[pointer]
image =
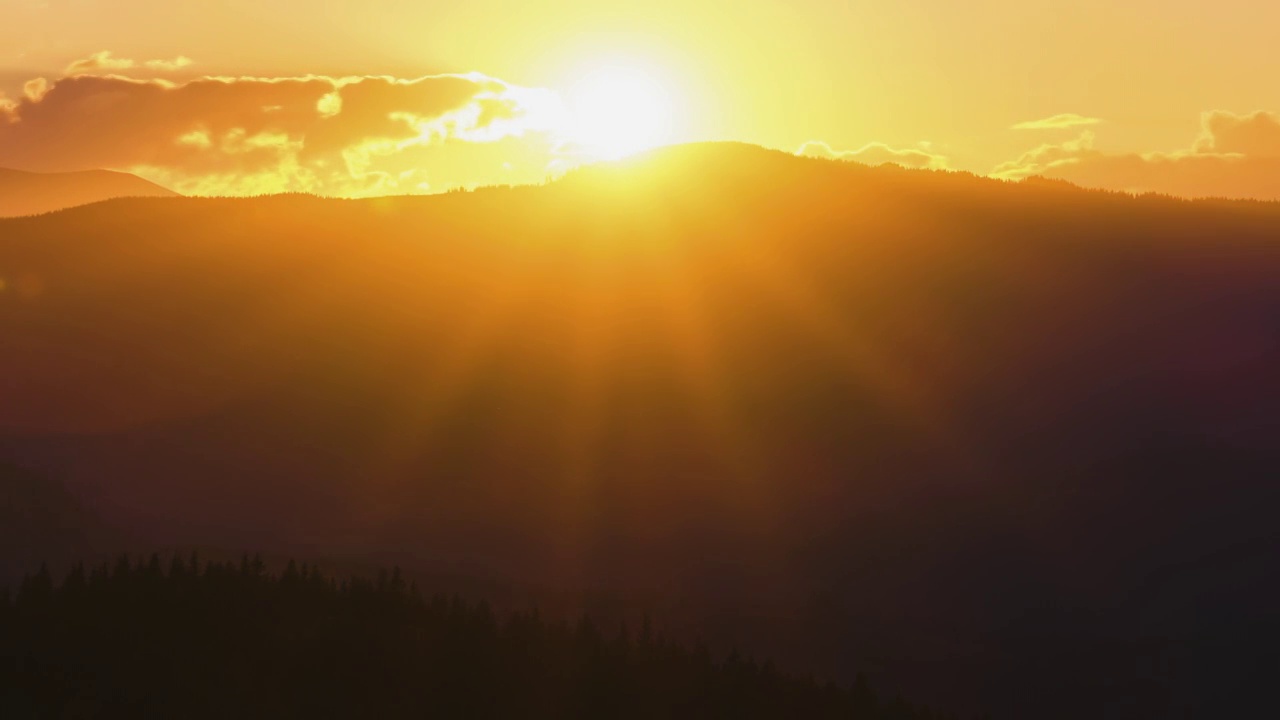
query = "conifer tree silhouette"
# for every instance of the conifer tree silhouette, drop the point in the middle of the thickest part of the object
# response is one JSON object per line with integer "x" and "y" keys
{"x": 217, "y": 640}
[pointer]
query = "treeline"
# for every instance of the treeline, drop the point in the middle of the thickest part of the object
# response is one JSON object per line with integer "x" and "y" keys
{"x": 189, "y": 639}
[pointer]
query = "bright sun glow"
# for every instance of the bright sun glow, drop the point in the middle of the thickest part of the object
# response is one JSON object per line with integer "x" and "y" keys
{"x": 617, "y": 110}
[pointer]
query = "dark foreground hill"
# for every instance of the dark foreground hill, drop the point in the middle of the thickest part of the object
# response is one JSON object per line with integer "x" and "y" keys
{"x": 206, "y": 640}
{"x": 28, "y": 193}
{"x": 1008, "y": 447}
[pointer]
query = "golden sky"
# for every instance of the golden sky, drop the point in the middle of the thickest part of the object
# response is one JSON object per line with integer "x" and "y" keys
{"x": 356, "y": 97}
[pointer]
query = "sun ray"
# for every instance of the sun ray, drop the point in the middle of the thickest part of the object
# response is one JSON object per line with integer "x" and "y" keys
{"x": 904, "y": 392}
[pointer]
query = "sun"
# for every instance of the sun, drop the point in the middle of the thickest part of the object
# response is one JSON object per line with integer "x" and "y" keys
{"x": 617, "y": 110}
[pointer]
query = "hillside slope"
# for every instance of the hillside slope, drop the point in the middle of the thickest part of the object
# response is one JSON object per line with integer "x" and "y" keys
{"x": 40, "y": 522}
{"x": 28, "y": 193}
{"x": 789, "y": 402}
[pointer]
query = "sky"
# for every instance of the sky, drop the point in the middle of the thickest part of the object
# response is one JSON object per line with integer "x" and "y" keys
{"x": 358, "y": 97}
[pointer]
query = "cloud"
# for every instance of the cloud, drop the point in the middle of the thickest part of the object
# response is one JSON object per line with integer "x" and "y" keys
{"x": 1253, "y": 135}
{"x": 106, "y": 62}
{"x": 1057, "y": 122}
{"x": 876, "y": 154}
{"x": 177, "y": 63}
{"x": 35, "y": 88}
{"x": 1235, "y": 156}
{"x": 98, "y": 62}
{"x": 1047, "y": 157}
{"x": 235, "y": 135}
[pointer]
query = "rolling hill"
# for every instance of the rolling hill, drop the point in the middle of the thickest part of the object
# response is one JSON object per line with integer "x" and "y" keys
{"x": 29, "y": 193}
{"x": 785, "y": 402}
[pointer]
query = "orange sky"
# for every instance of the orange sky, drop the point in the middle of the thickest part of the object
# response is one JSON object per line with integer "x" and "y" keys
{"x": 1160, "y": 95}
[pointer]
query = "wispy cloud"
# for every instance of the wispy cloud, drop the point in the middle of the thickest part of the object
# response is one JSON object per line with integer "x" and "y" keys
{"x": 106, "y": 61}
{"x": 876, "y": 154}
{"x": 98, "y": 62}
{"x": 1057, "y": 122}
{"x": 1234, "y": 156}
{"x": 177, "y": 63}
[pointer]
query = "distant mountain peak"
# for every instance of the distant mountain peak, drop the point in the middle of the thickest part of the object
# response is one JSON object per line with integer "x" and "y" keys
{"x": 33, "y": 193}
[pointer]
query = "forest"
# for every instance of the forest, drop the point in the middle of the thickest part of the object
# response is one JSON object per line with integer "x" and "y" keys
{"x": 193, "y": 639}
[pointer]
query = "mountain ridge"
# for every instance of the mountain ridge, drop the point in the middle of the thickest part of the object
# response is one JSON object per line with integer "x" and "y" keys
{"x": 678, "y": 166}
{"x": 839, "y": 391}
{"x": 25, "y": 193}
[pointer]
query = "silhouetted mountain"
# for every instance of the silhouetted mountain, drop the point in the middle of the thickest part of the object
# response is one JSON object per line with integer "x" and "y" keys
{"x": 28, "y": 193}
{"x": 1004, "y": 446}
